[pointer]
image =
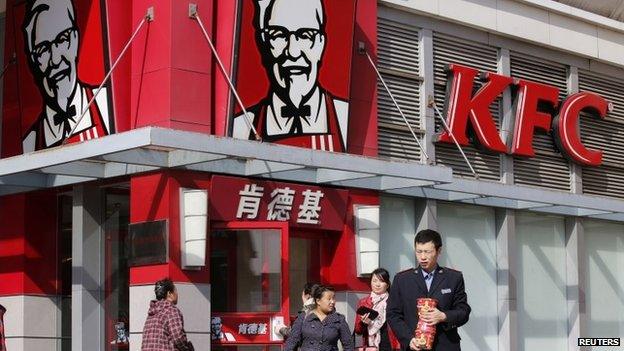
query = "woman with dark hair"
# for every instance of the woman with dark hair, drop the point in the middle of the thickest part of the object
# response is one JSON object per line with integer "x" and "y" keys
{"x": 375, "y": 330}
{"x": 164, "y": 326}
{"x": 308, "y": 305}
{"x": 321, "y": 329}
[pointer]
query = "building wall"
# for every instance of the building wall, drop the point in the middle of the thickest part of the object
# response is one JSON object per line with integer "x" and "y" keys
{"x": 542, "y": 22}
{"x": 426, "y": 44}
{"x": 534, "y": 281}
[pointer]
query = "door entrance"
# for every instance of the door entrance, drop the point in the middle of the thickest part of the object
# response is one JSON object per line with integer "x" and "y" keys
{"x": 249, "y": 284}
{"x": 117, "y": 278}
{"x": 304, "y": 267}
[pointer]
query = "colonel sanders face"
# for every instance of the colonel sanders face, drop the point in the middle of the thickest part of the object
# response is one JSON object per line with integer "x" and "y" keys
{"x": 215, "y": 328}
{"x": 292, "y": 41}
{"x": 51, "y": 39}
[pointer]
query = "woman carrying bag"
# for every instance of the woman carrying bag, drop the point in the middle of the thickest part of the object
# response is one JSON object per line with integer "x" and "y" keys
{"x": 321, "y": 329}
{"x": 370, "y": 319}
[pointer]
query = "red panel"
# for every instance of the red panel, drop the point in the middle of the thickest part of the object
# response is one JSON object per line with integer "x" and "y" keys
{"x": 190, "y": 98}
{"x": 151, "y": 103}
{"x": 41, "y": 252}
{"x": 338, "y": 257}
{"x": 149, "y": 200}
{"x": 120, "y": 28}
{"x": 11, "y": 128}
{"x": 151, "y": 65}
{"x": 28, "y": 247}
{"x": 160, "y": 192}
{"x": 12, "y": 244}
{"x": 225, "y": 18}
{"x": 91, "y": 68}
{"x": 189, "y": 49}
{"x": 151, "y": 49}
{"x": 362, "y": 137}
{"x": 193, "y": 127}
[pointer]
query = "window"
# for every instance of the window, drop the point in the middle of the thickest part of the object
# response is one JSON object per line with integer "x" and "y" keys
{"x": 542, "y": 304}
{"x": 469, "y": 245}
{"x": 246, "y": 266}
{"x": 397, "y": 226}
{"x": 604, "y": 292}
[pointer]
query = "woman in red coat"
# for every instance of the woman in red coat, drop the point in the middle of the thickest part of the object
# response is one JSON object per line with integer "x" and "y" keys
{"x": 375, "y": 331}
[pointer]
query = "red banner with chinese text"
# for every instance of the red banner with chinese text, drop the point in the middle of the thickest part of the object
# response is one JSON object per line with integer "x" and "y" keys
{"x": 240, "y": 329}
{"x": 304, "y": 206}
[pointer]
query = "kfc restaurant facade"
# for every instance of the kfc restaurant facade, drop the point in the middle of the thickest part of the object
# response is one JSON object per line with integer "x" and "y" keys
{"x": 128, "y": 157}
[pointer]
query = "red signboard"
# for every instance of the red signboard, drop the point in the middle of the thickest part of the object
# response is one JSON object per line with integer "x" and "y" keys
{"x": 307, "y": 206}
{"x": 294, "y": 71}
{"x": 236, "y": 329}
{"x": 464, "y": 107}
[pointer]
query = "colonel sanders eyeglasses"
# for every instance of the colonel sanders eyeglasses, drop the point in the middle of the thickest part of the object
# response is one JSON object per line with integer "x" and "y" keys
{"x": 42, "y": 52}
{"x": 279, "y": 36}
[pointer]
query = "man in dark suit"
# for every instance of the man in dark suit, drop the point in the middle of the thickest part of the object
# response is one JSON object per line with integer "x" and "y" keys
{"x": 428, "y": 280}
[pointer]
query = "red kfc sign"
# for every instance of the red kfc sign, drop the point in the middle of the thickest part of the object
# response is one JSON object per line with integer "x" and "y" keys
{"x": 463, "y": 107}
{"x": 240, "y": 199}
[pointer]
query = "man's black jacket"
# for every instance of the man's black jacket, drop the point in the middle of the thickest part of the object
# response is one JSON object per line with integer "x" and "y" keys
{"x": 447, "y": 287}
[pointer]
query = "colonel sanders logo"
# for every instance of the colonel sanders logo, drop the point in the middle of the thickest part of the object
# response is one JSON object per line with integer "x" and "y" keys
{"x": 52, "y": 42}
{"x": 292, "y": 39}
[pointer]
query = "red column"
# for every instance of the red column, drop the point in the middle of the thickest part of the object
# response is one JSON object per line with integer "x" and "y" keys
{"x": 156, "y": 197}
{"x": 171, "y": 74}
{"x": 29, "y": 281}
{"x": 28, "y": 243}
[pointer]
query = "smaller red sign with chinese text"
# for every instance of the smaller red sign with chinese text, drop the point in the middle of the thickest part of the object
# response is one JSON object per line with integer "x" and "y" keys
{"x": 308, "y": 206}
{"x": 240, "y": 329}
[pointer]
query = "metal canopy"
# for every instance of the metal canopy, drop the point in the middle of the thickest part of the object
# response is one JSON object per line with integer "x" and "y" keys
{"x": 521, "y": 198}
{"x": 151, "y": 148}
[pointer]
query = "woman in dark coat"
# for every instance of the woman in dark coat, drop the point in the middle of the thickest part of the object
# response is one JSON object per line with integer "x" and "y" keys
{"x": 321, "y": 329}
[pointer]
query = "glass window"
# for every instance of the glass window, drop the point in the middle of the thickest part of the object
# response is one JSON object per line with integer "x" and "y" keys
{"x": 304, "y": 266}
{"x": 542, "y": 304}
{"x": 65, "y": 270}
{"x": 604, "y": 293}
{"x": 246, "y": 266}
{"x": 397, "y": 229}
{"x": 117, "y": 273}
{"x": 469, "y": 245}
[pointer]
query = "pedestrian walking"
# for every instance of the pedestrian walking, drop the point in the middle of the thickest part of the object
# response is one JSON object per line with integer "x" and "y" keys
{"x": 164, "y": 327}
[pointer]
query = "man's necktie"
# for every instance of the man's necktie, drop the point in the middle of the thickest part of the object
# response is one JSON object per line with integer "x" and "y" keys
{"x": 428, "y": 279}
{"x": 65, "y": 118}
{"x": 296, "y": 114}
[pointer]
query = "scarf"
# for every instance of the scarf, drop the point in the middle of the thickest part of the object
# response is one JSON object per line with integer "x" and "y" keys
{"x": 379, "y": 305}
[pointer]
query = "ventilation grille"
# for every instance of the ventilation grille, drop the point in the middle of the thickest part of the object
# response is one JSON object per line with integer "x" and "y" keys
{"x": 548, "y": 168}
{"x": 398, "y": 63}
{"x": 448, "y": 49}
{"x": 606, "y": 135}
